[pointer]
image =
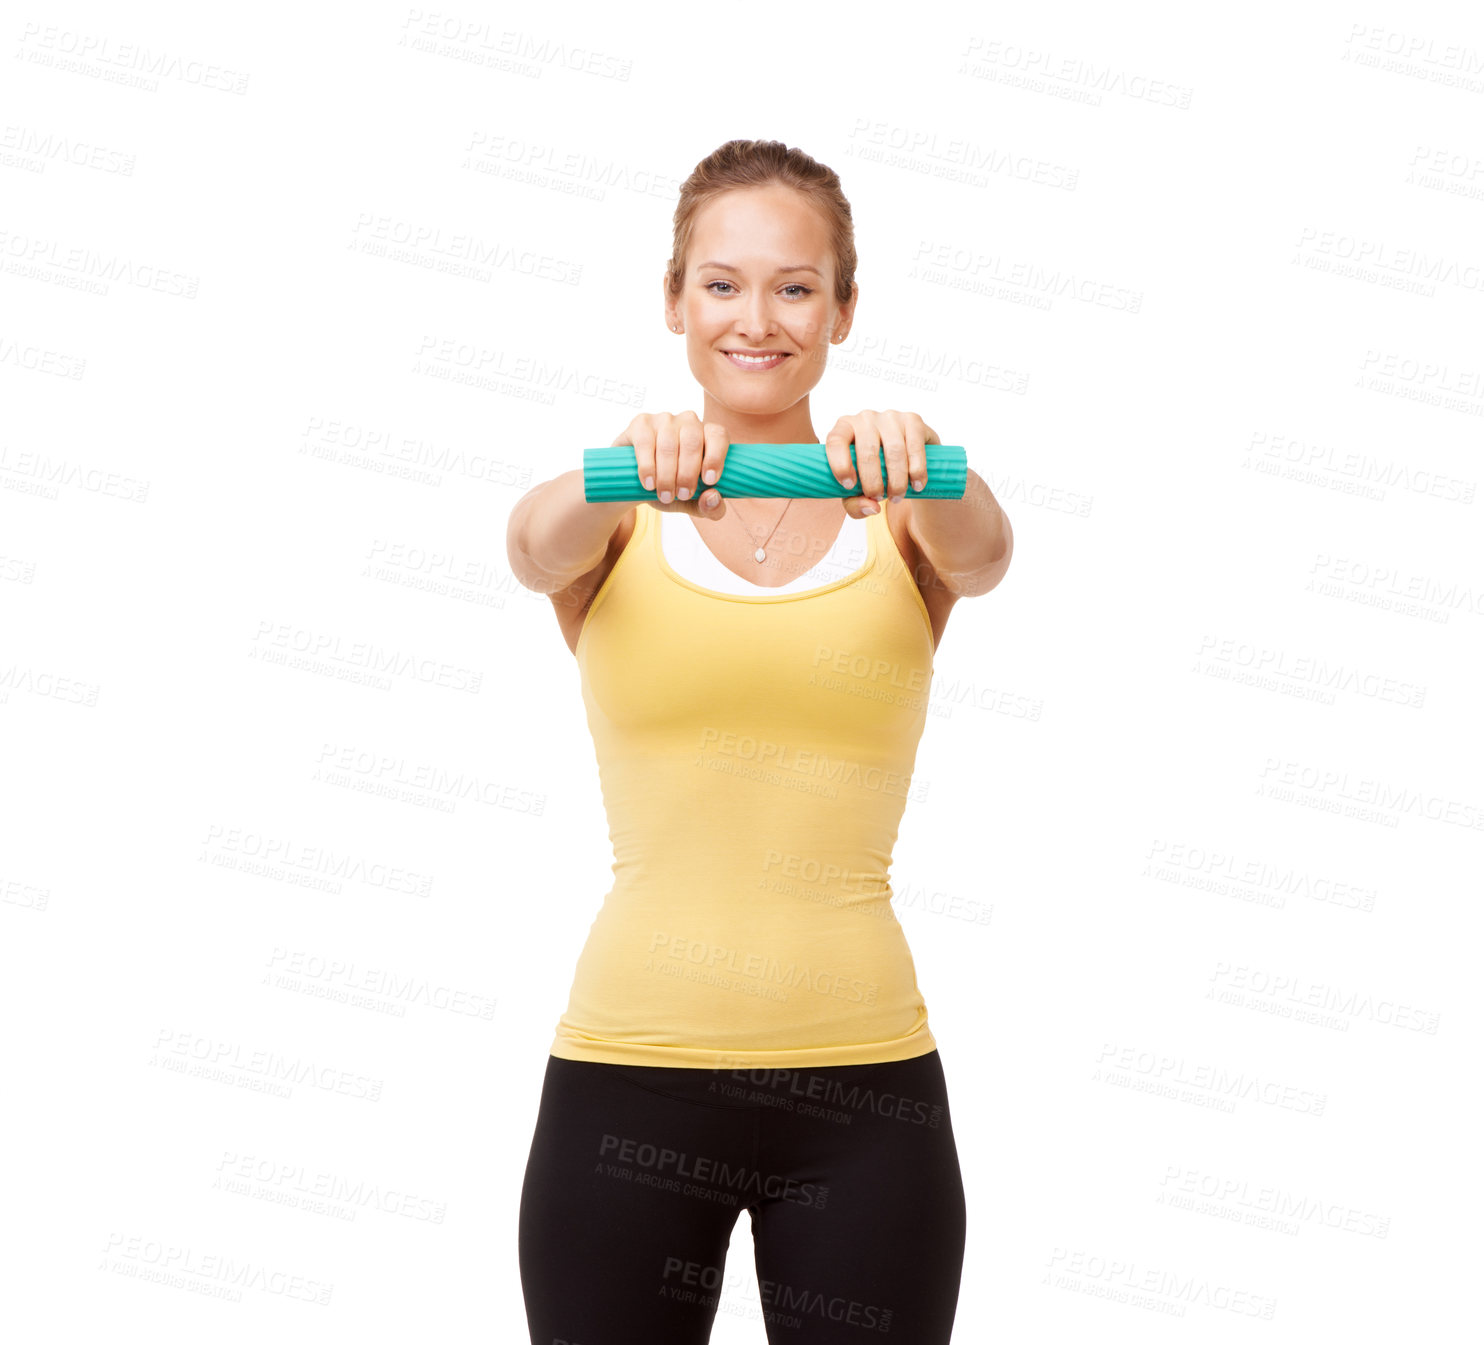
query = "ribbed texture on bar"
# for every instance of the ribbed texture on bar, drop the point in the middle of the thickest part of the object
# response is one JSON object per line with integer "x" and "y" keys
{"x": 778, "y": 471}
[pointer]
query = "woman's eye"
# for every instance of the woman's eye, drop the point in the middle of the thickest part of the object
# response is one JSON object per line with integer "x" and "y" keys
{"x": 802, "y": 290}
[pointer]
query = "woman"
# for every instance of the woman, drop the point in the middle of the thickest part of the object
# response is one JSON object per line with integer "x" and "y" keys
{"x": 745, "y": 1028}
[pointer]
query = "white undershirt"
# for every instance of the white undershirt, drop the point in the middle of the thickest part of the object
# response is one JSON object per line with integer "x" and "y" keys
{"x": 689, "y": 556}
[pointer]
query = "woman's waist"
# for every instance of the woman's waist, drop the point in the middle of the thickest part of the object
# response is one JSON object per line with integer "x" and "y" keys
{"x": 731, "y": 858}
{"x": 645, "y": 964}
{"x": 752, "y": 933}
{"x": 780, "y": 776}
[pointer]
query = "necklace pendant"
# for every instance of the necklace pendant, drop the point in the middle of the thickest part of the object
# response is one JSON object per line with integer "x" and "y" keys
{"x": 760, "y": 554}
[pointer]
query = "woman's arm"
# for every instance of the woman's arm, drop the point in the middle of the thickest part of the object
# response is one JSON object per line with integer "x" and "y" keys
{"x": 555, "y": 536}
{"x": 967, "y": 541}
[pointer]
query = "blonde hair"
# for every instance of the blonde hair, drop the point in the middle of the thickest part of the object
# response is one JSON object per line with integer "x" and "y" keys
{"x": 760, "y": 163}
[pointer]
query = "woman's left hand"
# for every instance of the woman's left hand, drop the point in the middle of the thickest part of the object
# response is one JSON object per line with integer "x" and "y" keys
{"x": 901, "y": 433}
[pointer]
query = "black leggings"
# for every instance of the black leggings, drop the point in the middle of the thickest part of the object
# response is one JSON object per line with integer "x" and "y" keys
{"x": 637, "y": 1174}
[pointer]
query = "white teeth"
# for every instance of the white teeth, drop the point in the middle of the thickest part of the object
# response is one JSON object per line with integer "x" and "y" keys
{"x": 753, "y": 359}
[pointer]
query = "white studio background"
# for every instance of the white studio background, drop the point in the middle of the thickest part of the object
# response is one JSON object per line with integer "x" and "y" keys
{"x": 301, "y": 824}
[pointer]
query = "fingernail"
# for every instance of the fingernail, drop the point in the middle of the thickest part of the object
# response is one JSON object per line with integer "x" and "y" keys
{"x": 918, "y": 483}
{"x": 848, "y": 482}
{"x": 869, "y": 509}
{"x": 649, "y": 483}
{"x": 684, "y": 492}
{"x": 664, "y": 497}
{"x": 710, "y": 475}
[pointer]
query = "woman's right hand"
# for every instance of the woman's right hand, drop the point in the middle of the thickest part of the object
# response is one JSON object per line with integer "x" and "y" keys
{"x": 677, "y": 457}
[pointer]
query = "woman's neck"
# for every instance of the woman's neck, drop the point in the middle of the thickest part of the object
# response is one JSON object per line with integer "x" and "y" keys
{"x": 792, "y": 426}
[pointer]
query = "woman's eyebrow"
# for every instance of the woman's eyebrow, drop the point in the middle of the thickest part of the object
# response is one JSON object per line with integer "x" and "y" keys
{"x": 724, "y": 267}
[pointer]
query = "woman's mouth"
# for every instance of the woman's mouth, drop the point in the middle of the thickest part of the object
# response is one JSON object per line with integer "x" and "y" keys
{"x": 762, "y": 361}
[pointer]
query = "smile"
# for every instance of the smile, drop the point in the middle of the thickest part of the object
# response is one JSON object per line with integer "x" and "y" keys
{"x": 754, "y": 361}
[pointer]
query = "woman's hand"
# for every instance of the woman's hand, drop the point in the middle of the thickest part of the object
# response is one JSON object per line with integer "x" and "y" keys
{"x": 901, "y": 433}
{"x": 677, "y": 456}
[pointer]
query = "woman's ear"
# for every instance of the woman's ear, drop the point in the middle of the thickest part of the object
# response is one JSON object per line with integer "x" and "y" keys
{"x": 845, "y": 315}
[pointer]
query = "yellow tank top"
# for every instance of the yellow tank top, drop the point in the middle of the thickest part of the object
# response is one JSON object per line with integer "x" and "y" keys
{"x": 755, "y": 754}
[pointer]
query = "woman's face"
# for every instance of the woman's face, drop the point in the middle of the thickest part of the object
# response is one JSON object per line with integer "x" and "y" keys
{"x": 759, "y": 277}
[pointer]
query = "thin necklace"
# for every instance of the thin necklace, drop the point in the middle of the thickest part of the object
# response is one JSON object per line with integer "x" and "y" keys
{"x": 760, "y": 554}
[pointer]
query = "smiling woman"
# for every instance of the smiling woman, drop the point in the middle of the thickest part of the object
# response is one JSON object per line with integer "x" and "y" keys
{"x": 774, "y": 286}
{"x": 745, "y": 1029}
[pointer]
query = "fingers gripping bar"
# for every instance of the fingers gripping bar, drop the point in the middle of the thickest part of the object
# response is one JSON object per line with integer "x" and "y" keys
{"x": 777, "y": 471}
